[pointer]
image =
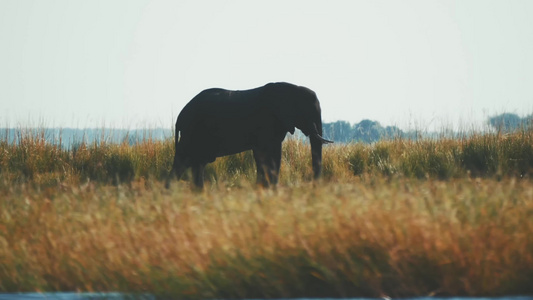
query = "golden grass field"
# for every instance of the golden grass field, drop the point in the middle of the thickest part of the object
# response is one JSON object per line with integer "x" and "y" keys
{"x": 397, "y": 218}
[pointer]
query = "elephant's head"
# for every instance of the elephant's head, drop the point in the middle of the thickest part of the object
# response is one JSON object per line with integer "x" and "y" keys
{"x": 298, "y": 107}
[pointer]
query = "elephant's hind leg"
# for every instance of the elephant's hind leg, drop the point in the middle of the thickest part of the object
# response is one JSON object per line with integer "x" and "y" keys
{"x": 176, "y": 172}
{"x": 198, "y": 175}
{"x": 275, "y": 158}
{"x": 260, "y": 165}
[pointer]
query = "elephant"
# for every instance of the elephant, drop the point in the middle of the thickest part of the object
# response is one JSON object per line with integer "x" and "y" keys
{"x": 219, "y": 122}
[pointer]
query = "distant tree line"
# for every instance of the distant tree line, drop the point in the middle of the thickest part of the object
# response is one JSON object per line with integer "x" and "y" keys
{"x": 508, "y": 122}
{"x": 73, "y": 137}
{"x": 366, "y": 131}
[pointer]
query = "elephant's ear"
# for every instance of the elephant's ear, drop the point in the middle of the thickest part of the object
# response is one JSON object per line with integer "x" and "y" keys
{"x": 286, "y": 119}
{"x": 282, "y": 109}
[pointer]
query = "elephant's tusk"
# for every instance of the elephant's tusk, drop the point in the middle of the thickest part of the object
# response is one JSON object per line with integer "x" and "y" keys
{"x": 323, "y": 140}
{"x": 318, "y": 137}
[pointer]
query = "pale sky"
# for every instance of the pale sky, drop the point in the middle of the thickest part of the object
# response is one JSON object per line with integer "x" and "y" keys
{"x": 136, "y": 63}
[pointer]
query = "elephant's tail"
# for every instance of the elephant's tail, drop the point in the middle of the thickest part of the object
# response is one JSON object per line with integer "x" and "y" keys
{"x": 176, "y": 148}
{"x": 174, "y": 171}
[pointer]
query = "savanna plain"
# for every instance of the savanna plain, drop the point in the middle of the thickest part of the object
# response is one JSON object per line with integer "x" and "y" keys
{"x": 445, "y": 216}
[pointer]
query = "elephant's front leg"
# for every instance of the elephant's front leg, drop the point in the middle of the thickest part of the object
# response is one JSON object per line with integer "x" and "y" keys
{"x": 268, "y": 161}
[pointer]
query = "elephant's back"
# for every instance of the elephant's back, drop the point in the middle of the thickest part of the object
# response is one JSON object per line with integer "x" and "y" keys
{"x": 199, "y": 103}
{"x": 217, "y": 101}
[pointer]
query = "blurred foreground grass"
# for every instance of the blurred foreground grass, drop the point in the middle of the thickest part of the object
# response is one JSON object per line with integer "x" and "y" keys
{"x": 365, "y": 238}
{"x": 398, "y": 218}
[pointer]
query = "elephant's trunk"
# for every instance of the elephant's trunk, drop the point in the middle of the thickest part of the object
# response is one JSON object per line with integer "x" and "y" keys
{"x": 316, "y": 147}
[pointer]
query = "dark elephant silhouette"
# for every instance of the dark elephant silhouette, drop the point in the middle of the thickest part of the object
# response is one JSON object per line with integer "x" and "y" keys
{"x": 220, "y": 122}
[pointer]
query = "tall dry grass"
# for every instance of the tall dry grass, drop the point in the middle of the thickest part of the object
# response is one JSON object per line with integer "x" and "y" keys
{"x": 31, "y": 159}
{"x": 397, "y": 218}
{"x": 34, "y": 160}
